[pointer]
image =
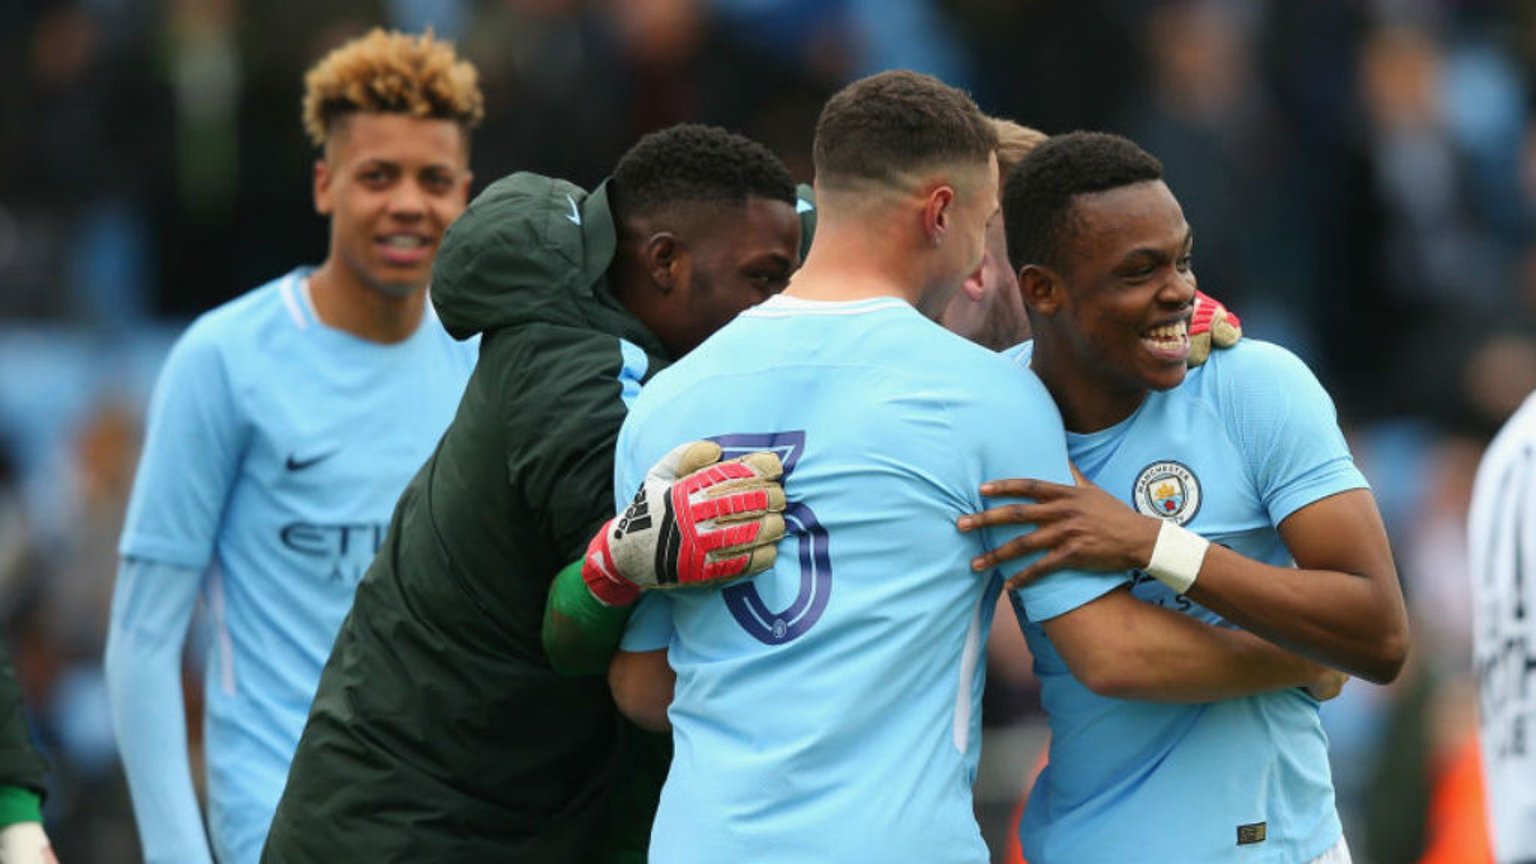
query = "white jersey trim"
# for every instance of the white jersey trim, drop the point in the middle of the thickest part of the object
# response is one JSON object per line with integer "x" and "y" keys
{"x": 292, "y": 301}
{"x": 785, "y": 306}
{"x": 970, "y": 653}
{"x": 221, "y": 630}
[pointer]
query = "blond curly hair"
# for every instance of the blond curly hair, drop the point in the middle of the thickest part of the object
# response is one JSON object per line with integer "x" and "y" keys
{"x": 389, "y": 72}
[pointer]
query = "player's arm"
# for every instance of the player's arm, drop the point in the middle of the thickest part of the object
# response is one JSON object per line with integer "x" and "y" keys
{"x": 694, "y": 521}
{"x": 1120, "y": 647}
{"x": 640, "y": 677}
{"x": 1340, "y": 605}
{"x": 642, "y": 682}
{"x": 152, "y": 606}
{"x": 192, "y": 451}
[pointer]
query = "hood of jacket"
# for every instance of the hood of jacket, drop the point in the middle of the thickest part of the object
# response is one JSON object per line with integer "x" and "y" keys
{"x": 531, "y": 249}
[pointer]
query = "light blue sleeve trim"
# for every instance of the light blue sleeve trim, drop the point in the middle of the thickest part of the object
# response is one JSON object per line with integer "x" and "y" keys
{"x": 152, "y": 607}
{"x": 650, "y": 627}
{"x": 636, "y": 364}
{"x": 1335, "y": 476}
{"x": 1060, "y": 592}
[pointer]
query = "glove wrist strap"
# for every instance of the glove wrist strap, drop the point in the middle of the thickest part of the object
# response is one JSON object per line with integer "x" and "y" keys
{"x": 602, "y": 578}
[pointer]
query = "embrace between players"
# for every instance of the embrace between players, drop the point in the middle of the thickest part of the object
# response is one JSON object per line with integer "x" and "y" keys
{"x": 1192, "y": 555}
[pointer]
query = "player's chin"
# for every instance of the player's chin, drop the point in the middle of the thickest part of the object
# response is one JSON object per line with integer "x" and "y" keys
{"x": 400, "y": 285}
{"x": 1164, "y": 375}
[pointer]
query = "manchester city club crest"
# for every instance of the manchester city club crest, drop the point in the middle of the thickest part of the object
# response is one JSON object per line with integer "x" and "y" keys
{"x": 1168, "y": 490}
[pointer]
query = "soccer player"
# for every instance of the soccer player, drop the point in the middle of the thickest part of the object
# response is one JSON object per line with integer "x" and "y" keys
{"x": 439, "y": 731}
{"x": 282, "y": 429}
{"x": 1246, "y": 451}
{"x": 826, "y": 709}
{"x": 1501, "y": 527}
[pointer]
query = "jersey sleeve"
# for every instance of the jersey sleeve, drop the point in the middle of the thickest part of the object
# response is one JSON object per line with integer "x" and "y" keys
{"x": 567, "y": 404}
{"x": 650, "y": 626}
{"x": 1287, "y": 427}
{"x": 192, "y": 447}
{"x": 1023, "y": 437}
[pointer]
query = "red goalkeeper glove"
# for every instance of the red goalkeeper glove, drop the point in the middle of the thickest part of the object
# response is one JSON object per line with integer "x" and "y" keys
{"x": 695, "y": 520}
{"x": 1211, "y": 326}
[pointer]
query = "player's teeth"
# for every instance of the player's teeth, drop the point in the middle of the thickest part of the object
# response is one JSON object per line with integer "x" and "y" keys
{"x": 403, "y": 241}
{"x": 1167, "y": 332}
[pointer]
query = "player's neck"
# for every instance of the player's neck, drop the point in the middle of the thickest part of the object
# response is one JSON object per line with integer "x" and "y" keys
{"x": 344, "y": 302}
{"x": 856, "y": 263}
{"x": 1086, "y": 401}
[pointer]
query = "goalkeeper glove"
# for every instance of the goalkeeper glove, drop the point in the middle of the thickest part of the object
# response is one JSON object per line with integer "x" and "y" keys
{"x": 25, "y": 843}
{"x": 1211, "y": 326}
{"x": 695, "y": 520}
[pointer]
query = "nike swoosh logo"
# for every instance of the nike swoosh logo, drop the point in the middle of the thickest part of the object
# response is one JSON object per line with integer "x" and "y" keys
{"x": 575, "y": 214}
{"x": 296, "y": 464}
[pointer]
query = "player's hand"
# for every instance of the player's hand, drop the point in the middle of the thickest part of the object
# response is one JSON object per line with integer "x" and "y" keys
{"x": 695, "y": 520}
{"x": 1211, "y": 325}
{"x": 1081, "y": 526}
{"x": 25, "y": 843}
{"x": 1330, "y": 683}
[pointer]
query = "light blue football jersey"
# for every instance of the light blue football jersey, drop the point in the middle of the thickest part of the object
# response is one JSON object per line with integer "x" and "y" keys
{"x": 827, "y": 710}
{"x": 276, "y": 448}
{"x": 1249, "y": 438}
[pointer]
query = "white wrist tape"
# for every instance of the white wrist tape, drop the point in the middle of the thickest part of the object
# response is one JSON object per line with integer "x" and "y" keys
{"x": 1177, "y": 556}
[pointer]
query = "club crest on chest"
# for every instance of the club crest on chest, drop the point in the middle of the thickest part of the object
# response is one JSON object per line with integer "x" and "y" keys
{"x": 1167, "y": 490}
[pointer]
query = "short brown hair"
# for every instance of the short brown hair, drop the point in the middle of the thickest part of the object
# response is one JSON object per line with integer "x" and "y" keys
{"x": 879, "y": 128}
{"x": 388, "y": 72}
{"x": 1014, "y": 142}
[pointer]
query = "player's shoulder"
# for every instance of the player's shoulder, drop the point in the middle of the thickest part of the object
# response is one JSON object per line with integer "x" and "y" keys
{"x": 547, "y": 348}
{"x": 1253, "y": 359}
{"x": 949, "y": 352}
{"x": 542, "y": 368}
{"x": 243, "y": 322}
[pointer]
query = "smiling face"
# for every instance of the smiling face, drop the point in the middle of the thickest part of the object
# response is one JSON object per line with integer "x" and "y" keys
{"x": 391, "y": 184}
{"x": 1119, "y": 307}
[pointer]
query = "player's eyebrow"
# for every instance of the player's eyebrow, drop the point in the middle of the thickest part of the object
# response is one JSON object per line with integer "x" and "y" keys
{"x": 773, "y": 258}
{"x": 1157, "y": 254}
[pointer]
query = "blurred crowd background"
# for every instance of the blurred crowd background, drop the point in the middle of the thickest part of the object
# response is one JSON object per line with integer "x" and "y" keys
{"x": 1360, "y": 175}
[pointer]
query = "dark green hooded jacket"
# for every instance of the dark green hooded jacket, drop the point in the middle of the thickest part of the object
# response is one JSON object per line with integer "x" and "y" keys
{"x": 439, "y": 731}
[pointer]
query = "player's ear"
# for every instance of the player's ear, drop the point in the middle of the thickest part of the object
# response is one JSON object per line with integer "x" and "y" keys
{"x": 975, "y": 286}
{"x": 1041, "y": 288}
{"x": 324, "y": 204}
{"x": 936, "y": 212}
{"x": 663, "y": 255}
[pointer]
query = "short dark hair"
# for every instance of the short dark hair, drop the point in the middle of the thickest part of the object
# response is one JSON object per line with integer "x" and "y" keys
{"x": 690, "y": 163}
{"x": 882, "y": 126}
{"x": 1039, "y": 193}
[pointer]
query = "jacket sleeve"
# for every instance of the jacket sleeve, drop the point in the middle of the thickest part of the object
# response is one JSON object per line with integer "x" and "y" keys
{"x": 567, "y": 399}
{"x": 20, "y": 764}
